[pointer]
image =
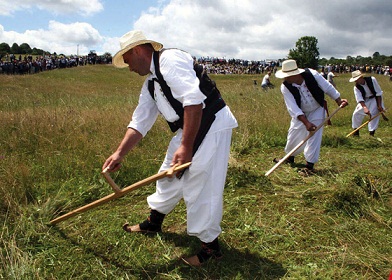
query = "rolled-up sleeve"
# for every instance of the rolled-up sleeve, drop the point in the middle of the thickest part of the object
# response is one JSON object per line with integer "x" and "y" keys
{"x": 146, "y": 112}
{"x": 326, "y": 86}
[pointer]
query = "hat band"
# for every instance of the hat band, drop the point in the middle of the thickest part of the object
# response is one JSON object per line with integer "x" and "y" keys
{"x": 290, "y": 70}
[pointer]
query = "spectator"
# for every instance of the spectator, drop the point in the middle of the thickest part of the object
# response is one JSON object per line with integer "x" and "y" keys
{"x": 330, "y": 77}
{"x": 266, "y": 83}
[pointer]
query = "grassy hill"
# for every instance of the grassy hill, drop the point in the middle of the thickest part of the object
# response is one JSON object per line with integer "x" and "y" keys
{"x": 58, "y": 127}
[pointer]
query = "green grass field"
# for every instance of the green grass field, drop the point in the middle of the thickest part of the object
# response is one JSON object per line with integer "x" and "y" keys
{"x": 58, "y": 127}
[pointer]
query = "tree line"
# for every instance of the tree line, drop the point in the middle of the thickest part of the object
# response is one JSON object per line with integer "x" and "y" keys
{"x": 306, "y": 53}
{"x": 22, "y": 49}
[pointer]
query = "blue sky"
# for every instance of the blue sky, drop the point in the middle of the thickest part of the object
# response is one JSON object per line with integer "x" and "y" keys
{"x": 110, "y": 18}
{"x": 118, "y": 13}
{"x": 245, "y": 29}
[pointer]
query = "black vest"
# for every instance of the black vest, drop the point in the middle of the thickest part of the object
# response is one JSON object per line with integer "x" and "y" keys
{"x": 213, "y": 103}
{"x": 312, "y": 85}
{"x": 369, "y": 83}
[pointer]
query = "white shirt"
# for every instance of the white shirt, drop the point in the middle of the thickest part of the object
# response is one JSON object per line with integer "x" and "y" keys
{"x": 176, "y": 67}
{"x": 265, "y": 80}
{"x": 330, "y": 77}
{"x": 308, "y": 103}
{"x": 358, "y": 94}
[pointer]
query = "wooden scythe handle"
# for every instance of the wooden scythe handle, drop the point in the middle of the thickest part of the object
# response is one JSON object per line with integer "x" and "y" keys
{"x": 365, "y": 123}
{"x": 119, "y": 192}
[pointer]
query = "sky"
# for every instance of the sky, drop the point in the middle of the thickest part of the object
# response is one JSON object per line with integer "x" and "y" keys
{"x": 242, "y": 29}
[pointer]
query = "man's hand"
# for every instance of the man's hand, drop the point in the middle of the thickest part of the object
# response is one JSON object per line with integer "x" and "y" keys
{"x": 182, "y": 155}
{"x": 113, "y": 163}
{"x": 131, "y": 138}
{"x": 309, "y": 125}
{"x": 343, "y": 103}
{"x": 366, "y": 111}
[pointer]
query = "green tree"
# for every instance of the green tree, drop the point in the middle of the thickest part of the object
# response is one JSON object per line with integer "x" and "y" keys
{"x": 323, "y": 61}
{"x": 4, "y": 49}
{"x": 25, "y": 48}
{"x": 306, "y": 52}
{"x": 388, "y": 62}
{"x": 349, "y": 59}
{"x": 36, "y": 51}
{"x": 15, "y": 48}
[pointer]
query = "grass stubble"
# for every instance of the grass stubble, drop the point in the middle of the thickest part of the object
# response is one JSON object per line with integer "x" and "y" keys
{"x": 58, "y": 127}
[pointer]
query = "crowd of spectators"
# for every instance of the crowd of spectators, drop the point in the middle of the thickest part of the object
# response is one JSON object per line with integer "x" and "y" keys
{"x": 9, "y": 64}
{"x": 371, "y": 69}
{"x": 223, "y": 66}
{"x": 12, "y": 65}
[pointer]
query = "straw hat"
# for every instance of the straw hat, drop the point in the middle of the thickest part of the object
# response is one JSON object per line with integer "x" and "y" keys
{"x": 129, "y": 41}
{"x": 289, "y": 68}
{"x": 355, "y": 75}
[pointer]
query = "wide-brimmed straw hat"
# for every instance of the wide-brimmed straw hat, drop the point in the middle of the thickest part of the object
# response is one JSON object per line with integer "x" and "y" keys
{"x": 129, "y": 41}
{"x": 355, "y": 75}
{"x": 289, "y": 68}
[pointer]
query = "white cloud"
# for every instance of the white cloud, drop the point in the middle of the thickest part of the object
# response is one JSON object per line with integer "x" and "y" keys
{"x": 59, "y": 37}
{"x": 110, "y": 45}
{"x": 224, "y": 28}
{"x": 268, "y": 29}
{"x": 83, "y": 7}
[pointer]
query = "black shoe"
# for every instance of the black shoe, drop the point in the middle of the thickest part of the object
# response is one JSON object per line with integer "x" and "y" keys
{"x": 356, "y": 133}
{"x": 208, "y": 251}
{"x": 371, "y": 133}
{"x": 146, "y": 227}
{"x": 289, "y": 160}
{"x": 152, "y": 224}
{"x": 309, "y": 165}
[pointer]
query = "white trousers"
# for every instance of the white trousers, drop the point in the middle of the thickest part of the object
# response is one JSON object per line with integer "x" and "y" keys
{"x": 201, "y": 186}
{"x": 358, "y": 114}
{"x": 298, "y": 132}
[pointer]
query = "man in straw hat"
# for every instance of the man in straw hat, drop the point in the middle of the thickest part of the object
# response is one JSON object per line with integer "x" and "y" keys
{"x": 201, "y": 186}
{"x": 368, "y": 95}
{"x": 303, "y": 91}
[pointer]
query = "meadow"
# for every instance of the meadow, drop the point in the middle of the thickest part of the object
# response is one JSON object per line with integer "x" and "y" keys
{"x": 58, "y": 127}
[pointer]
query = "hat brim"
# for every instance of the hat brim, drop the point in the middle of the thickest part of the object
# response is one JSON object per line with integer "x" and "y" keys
{"x": 280, "y": 74}
{"x": 118, "y": 60}
{"x": 356, "y": 78}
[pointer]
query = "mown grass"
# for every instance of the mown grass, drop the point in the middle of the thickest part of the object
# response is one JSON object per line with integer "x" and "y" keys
{"x": 58, "y": 127}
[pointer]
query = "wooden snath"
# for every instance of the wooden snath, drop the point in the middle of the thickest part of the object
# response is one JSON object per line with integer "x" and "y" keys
{"x": 120, "y": 192}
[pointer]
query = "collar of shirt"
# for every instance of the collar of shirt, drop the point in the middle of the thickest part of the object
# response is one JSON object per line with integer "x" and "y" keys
{"x": 303, "y": 85}
{"x": 152, "y": 66}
